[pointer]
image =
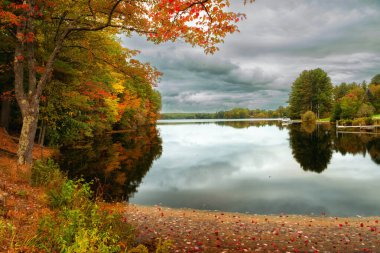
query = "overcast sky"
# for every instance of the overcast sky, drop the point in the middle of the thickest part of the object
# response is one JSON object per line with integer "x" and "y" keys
{"x": 256, "y": 67}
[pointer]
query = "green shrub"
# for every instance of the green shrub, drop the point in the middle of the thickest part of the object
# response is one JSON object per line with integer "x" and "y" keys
{"x": 70, "y": 194}
{"x": 365, "y": 110}
{"x": 45, "y": 172}
{"x": 309, "y": 117}
{"x": 359, "y": 122}
{"x": 369, "y": 121}
{"x": 345, "y": 122}
{"x": 79, "y": 225}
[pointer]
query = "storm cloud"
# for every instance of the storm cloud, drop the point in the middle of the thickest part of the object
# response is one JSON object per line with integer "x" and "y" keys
{"x": 256, "y": 67}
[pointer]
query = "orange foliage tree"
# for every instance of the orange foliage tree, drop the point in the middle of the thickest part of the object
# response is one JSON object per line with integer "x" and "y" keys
{"x": 199, "y": 22}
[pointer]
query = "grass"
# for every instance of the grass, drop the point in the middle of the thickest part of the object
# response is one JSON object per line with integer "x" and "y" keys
{"x": 324, "y": 120}
{"x": 377, "y": 116}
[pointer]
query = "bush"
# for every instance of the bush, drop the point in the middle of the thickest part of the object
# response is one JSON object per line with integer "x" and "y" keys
{"x": 309, "y": 117}
{"x": 359, "y": 122}
{"x": 45, "y": 172}
{"x": 70, "y": 194}
{"x": 79, "y": 225}
{"x": 369, "y": 121}
{"x": 365, "y": 110}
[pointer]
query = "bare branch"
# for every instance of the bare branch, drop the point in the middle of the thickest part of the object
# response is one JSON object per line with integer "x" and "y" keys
{"x": 61, "y": 19}
{"x": 91, "y": 10}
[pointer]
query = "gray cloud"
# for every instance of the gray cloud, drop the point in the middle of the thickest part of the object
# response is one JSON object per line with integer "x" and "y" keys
{"x": 279, "y": 39}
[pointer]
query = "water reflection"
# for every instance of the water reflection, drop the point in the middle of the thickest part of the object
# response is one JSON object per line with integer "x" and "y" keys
{"x": 247, "y": 166}
{"x": 247, "y": 124}
{"x": 359, "y": 144}
{"x": 311, "y": 146}
{"x": 118, "y": 163}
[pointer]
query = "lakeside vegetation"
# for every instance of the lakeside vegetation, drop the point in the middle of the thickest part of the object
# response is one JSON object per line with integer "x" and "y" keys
{"x": 348, "y": 103}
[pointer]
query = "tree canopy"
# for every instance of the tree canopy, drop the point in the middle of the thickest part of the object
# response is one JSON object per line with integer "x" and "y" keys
{"x": 312, "y": 90}
{"x": 41, "y": 30}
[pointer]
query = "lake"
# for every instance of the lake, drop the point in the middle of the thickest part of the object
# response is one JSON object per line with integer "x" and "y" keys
{"x": 244, "y": 166}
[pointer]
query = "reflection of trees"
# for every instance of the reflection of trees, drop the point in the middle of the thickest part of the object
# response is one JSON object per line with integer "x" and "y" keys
{"x": 373, "y": 147}
{"x": 313, "y": 149}
{"x": 358, "y": 144}
{"x": 247, "y": 124}
{"x": 350, "y": 143}
{"x": 119, "y": 162}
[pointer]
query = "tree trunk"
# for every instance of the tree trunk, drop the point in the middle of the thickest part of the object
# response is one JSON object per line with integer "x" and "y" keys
{"x": 26, "y": 142}
{"x": 5, "y": 113}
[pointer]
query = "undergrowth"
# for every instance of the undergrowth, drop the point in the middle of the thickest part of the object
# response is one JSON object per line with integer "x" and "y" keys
{"x": 78, "y": 223}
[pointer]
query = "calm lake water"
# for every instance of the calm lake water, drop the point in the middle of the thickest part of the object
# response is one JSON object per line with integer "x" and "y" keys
{"x": 242, "y": 166}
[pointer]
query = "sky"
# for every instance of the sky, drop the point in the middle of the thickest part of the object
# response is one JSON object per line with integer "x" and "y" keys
{"x": 256, "y": 67}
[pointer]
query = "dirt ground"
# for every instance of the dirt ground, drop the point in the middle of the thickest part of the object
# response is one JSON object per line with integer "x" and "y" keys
{"x": 20, "y": 204}
{"x": 212, "y": 231}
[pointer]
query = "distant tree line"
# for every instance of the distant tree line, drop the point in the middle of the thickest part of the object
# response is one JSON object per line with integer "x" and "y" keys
{"x": 235, "y": 113}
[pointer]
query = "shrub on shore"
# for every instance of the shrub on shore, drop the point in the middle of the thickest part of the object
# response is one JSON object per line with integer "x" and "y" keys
{"x": 309, "y": 117}
{"x": 78, "y": 223}
{"x": 45, "y": 173}
{"x": 358, "y": 122}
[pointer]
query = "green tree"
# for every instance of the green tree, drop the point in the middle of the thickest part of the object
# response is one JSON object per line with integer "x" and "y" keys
{"x": 350, "y": 103}
{"x": 365, "y": 110}
{"x": 312, "y": 90}
{"x": 374, "y": 96}
{"x": 375, "y": 79}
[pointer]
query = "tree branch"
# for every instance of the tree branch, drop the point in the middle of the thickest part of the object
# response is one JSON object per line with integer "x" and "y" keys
{"x": 102, "y": 26}
{"x": 100, "y": 58}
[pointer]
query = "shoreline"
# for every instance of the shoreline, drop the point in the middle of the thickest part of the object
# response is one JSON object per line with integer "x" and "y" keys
{"x": 312, "y": 215}
{"x": 192, "y": 230}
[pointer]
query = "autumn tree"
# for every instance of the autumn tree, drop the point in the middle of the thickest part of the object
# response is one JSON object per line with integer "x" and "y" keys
{"x": 198, "y": 22}
{"x": 97, "y": 86}
{"x": 312, "y": 90}
{"x": 353, "y": 100}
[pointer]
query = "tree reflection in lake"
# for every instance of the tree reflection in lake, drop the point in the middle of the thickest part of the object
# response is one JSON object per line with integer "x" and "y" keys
{"x": 247, "y": 124}
{"x": 358, "y": 144}
{"x": 118, "y": 163}
{"x": 196, "y": 152}
{"x": 373, "y": 147}
{"x": 311, "y": 146}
